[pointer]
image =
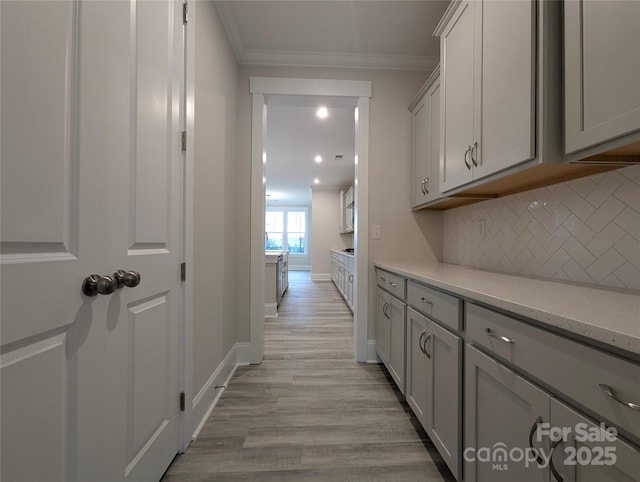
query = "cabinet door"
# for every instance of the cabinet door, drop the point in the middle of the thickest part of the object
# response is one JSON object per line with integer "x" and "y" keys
{"x": 444, "y": 373}
{"x": 602, "y": 71}
{"x": 505, "y": 89}
{"x": 426, "y": 147}
{"x": 382, "y": 326}
{"x": 397, "y": 341}
{"x": 420, "y": 151}
{"x": 416, "y": 389}
{"x": 501, "y": 411}
{"x": 456, "y": 129}
{"x": 578, "y": 458}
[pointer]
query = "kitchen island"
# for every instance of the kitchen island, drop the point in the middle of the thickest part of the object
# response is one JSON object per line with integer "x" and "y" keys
{"x": 276, "y": 279}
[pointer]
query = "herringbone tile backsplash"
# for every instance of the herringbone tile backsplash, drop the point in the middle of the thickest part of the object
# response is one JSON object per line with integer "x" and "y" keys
{"x": 586, "y": 230}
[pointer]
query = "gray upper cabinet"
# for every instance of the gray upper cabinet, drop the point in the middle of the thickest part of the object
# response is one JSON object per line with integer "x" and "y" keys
{"x": 456, "y": 96}
{"x": 425, "y": 142}
{"x": 488, "y": 89}
{"x": 602, "y": 72}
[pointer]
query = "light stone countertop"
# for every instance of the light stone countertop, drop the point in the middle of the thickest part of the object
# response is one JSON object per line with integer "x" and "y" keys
{"x": 609, "y": 316}
{"x": 339, "y": 251}
{"x": 271, "y": 256}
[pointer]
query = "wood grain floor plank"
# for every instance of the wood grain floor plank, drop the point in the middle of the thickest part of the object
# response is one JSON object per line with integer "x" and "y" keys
{"x": 310, "y": 412}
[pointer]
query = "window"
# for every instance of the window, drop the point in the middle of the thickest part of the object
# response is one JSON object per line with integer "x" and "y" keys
{"x": 286, "y": 229}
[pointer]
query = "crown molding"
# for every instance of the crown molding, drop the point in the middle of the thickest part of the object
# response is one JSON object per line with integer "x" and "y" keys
{"x": 230, "y": 27}
{"x": 341, "y": 60}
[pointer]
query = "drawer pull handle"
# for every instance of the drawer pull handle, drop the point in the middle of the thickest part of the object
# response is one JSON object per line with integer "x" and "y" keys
{"x": 554, "y": 471}
{"x": 426, "y": 340}
{"x": 607, "y": 389}
{"x": 424, "y": 300}
{"x": 393, "y": 284}
{"x": 424, "y": 332}
{"x": 384, "y": 310}
{"x": 499, "y": 337}
{"x": 534, "y": 429}
{"x": 382, "y": 279}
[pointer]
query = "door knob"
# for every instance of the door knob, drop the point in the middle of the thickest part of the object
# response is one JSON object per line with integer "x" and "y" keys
{"x": 126, "y": 278}
{"x": 95, "y": 284}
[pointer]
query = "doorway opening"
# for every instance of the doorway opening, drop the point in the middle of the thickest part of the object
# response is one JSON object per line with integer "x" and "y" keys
{"x": 261, "y": 88}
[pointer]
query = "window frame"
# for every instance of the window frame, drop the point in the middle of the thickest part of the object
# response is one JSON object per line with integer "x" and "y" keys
{"x": 285, "y": 242}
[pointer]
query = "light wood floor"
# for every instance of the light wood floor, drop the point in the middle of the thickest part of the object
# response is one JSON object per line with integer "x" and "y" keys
{"x": 309, "y": 411}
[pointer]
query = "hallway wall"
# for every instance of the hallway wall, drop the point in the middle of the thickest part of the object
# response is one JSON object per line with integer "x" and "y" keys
{"x": 325, "y": 205}
{"x": 214, "y": 230}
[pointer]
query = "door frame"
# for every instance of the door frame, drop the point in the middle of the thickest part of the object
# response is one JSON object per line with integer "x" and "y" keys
{"x": 259, "y": 87}
{"x": 185, "y": 375}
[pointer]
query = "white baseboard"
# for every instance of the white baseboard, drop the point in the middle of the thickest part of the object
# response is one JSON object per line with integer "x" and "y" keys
{"x": 244, "y": 355}
{"x": 270, "y": 310}
{"x": 320, "y": 276}
{"x": 372, "y": 356}
{"x": 206, "y": 399}
{"x": 299, "y": 267}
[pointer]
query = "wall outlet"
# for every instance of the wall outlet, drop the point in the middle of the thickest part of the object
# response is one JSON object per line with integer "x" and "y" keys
{"x": 376, "y": 231}
{"x": 481, "y": 228}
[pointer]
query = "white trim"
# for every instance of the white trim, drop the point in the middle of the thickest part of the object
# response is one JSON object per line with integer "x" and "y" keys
{"x": 259, "y": 87}
{"x": 332, "y": 88}
{"x": 360, "y": 235}
{"x": 230, "y": 27}
{"x": 299, "y": 267}
{"x": 372, "y": 356}
{"x": 256, "y": 237}
{"x": 209, "y": 395}
{"x": 186, "y": 350}
{"x": 243, "y": 353}
{"x": 320, "y": 276}
{"x": 299, "y": 58}
{"x": 270, "y": 310}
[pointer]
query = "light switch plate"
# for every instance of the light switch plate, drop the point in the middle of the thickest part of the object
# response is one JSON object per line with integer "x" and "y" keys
{"x": 375, "y": 231}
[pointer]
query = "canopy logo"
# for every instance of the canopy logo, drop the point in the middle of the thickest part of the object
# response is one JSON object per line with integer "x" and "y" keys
{"x": 567, "y": 443}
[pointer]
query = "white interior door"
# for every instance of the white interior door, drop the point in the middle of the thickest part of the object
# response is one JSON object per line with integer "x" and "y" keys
{"x": 91, "y": 183}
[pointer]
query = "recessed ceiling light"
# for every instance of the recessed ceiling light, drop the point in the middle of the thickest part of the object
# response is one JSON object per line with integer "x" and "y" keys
{"x": 318, "y": 158}
{"x": 322, "y": 112}
{"x": 316, "y": 181}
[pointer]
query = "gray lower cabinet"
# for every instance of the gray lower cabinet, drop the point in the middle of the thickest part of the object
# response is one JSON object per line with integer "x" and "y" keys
{"x": 502, "y": 411}
{"x": 489, "y": 417}
{"x": 391, "y": 335}
{"x": 586, "y": 453}
{"x": 433, "y": 384}
{"x": 416, "y": 393}
{"x": 382, "y": 326}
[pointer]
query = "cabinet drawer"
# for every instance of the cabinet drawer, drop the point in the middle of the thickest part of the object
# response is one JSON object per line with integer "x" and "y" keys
{"x": 392, "y": 283}
{"x": 578, "y": 371}
{"x": 435, "y": 304}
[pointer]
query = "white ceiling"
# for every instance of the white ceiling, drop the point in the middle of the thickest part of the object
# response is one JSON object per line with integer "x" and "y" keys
{"x": 380, "y": 34}
{"x": 295, "y": 135}
{"x": 391, "y": 34}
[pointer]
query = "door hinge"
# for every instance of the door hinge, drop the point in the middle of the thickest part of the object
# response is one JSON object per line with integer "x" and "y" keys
{"x": 185, "y": 12}
{"x": 182, "y": 401}
{"x": 183, "y": 271}
{"x": 184, "y": 140}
